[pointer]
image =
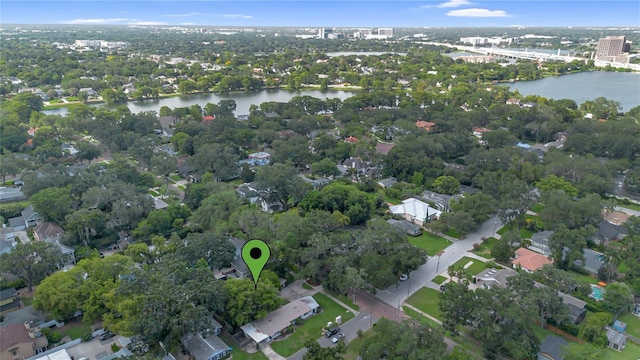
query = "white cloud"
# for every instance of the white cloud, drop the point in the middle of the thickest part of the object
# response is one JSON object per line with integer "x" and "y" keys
{"x": 479, "y": 13}
{"x": 188, "y": 23}
{"x": 112, "y": 21}
{"x": 237, "y": 16}
{"x": 448, "y": 4}
{"x": 98, "y": 21}
{"x": 185, "y": 15}
{"x": 454, "y": 3}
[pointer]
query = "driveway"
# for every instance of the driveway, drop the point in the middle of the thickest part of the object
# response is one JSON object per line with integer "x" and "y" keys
{"x": 397, "y": 294}
{"x": 22, "y": 235}
{"x": 93, "y": 349}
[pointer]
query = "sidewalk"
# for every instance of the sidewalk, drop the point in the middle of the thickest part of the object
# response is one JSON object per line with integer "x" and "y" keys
{"x": 270, "y": 353}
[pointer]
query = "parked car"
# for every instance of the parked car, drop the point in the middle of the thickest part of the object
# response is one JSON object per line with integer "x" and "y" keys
{"x": 404, "y": 277}
{"x": 107, "y": 335}
{"x": 337, "y": 338}
{"x": 332, "y": 331}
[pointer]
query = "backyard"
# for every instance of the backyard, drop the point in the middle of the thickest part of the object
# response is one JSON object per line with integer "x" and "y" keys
{"x": 312, "y": 327}
{"x": 485, "y": 248}
{"x": 476, "y": 267}
{"x": 629, "y": 353}
{"x": 74, "y": 329}
{"x": 633, "y": 324}
{"x": 238, "y": 354}
{"x": 431, "y": 243}
{"x": 426, "y": 300}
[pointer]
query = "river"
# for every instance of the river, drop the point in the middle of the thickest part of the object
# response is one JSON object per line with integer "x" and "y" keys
{"x": 618, "y": 86}
{"x": 243, "y": 100}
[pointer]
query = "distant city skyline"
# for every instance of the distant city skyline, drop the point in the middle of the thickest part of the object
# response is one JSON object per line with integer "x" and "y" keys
{"x": 309, "y": 13}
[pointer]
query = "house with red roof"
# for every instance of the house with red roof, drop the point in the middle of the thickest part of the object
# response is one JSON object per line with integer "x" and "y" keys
{"x": 528, "y": 260}
{"x": 207, "y": 120}
{"x": 351, "y": 140}
{"x": 427, "y": 125}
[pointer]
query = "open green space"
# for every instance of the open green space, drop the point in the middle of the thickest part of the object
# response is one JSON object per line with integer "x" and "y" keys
{"x": 452, "y": 233}
{"x": 182, "y": 187}
{"x": 238, "y": 354}
{"x": 524, "y": 233}
{"x": 312, "y": 327}
{"x": 633, "y": 324}
{"x": 539, "y": 222}
{"x": 75, "y": 329}
{"x": 485, "y": 248}
{"x": 439, "y": 279}
{"x": 536, "y": 208}
{"x": 347, "y": 300}
{"x": 355, "y": 346}
{"x": 474, "y": 269}
{"x": 587, "y": 279}
{"x": 175, "y": 177}
{"x": 27, "y": 300}
{"x": 630, "y": 352}
{"x": 153, "y": 192}
{"x": 631, "y": 206}
{"x": 542, "y": 333}
{"x": 431, "y": 243}
{"x": 306, "y": 286}
{"x": 426, "y": 300}
{"x": 417, "y": 316}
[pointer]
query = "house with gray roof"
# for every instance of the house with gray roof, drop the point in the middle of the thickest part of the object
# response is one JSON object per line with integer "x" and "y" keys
{"x": 30, "y": 216}
{"x": 11, "y": 194}
{"x": 616, "y": 340}
{"x": 577, "y": 308}
{"x": 591, "y": 261}
{"x": 387, "y": 183}
{"x": 609, "y": 232}
{"x": 206, "y": 345}
{"x": 540, "y": 242}
{"x": 551, "y": 348}
{"x": 493, "y": 277}
{"x": 441, "y": 201}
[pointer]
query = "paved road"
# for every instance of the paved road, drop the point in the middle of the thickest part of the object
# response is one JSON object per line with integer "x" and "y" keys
{"x": 397, "y": 294}
{"x": 627, "y": 211}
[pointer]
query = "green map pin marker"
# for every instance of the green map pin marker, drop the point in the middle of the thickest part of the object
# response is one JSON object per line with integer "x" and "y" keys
{"x": 255, "y": 254}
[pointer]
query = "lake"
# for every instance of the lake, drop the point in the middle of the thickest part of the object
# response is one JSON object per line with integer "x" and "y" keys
{"x": 243, "y": 100}
{"x": 621, "y": 87}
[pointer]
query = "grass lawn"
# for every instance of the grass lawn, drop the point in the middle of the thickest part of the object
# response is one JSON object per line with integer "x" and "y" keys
{"x": 182, "y": 187}
{"x": 628, "y": 206}
{"x": 439, "y": 279}
{"x": 623, "y": 267}
{"x": 27, "y": 301}
{"x": 584, "y": 278}
{"x": 355, "y": 346}
{"x": 452, "y": 233}
{"x": 475, "y": 268}
{"x": 238, "y": 354}
{"x": 633, "y": 324}
{"x": 347, "y": 300}
{"x": 431, "y": 243}
{"x": 426, "y": 299}
{"x": 75, "y": 329}
{"x": 537, "y": 208}
{"x": 525, "y": 233}
{"x": 175, "y": 177}
{"x": 306, "y": 286}
{"x": 485, "y": 248}
{"x": 417, "y": 316}
{"x": 153, "y": 192}
{"x": 542, "y": 333}
{"x": 629, "y": 353}
{"x": 537, "y": 219}
{"x": 312, "y": 327}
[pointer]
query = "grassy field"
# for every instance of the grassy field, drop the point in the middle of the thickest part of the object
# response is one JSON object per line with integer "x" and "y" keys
{"x": 485, "y": 248}
{"x": 452, "y": 233}
{"x": 417, "y": 316}
{"x": 306, "y": 286}
{"x": 153, "y": 192}
{"x": 426, "y": 299}
{"x": 537, "y": 208}
{"x": 312, "y": 327}
{"x": 633, "y": 324}
{"x": 539, "y": 222}
{"x": 631, "y": 352}
{"x": 431, "y": 243}
{"x": 474, "y": 269}
{"x": 175, "y": 177}
{"x": 354, "y": 347}
{"x": 347, "y": 300}
{"x": 628, "y": 206}
{"x": 439, "y": 279}
{"x": 584, "y": 278}
{"x": 75, "y": 329}
{"x": 525, "y": 233}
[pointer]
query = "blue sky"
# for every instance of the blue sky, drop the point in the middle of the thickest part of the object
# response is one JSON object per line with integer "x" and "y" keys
{"x": 337, "y": 13}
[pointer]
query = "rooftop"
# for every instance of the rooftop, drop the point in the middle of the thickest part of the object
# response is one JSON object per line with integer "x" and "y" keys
{"x": 529, "y": 260}
{"x": 277, "y": 320}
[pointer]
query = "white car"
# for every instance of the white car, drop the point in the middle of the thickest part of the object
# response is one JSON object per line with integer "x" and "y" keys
{"x": 404, "y": 277}
{"x": 337, "y": 338}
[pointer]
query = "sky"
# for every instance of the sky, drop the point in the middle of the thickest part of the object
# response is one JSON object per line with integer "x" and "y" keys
{"x": 327, "y": 13}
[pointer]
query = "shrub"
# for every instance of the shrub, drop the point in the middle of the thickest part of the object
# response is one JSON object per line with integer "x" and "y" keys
{"x": 359, "y": 333}
{"x": 114, "y": 347}
{"x": 476, "y": 246}
{"x": 13, "y": 284}
{"x": 51, "y": 335}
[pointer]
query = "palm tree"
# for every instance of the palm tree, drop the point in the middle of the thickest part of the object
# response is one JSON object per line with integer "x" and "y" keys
{"x": 612, "y": 258}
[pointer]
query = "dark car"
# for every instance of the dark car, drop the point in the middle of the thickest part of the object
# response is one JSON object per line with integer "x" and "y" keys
{"x": 332, "y": 331}
{"x": 107, "y": 335}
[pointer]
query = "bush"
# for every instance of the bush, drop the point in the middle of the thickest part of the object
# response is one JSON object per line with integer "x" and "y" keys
{"x": 491, "y": 265}
{"x": 51, "y": 335}
{"x": 476, "y": 246}
{"x": 13, "y": 284}
{"x": 359, "y": 332}
{"x": 114, "y": 347}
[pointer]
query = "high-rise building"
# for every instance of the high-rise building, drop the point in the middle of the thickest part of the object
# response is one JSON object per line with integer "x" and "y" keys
{"x": 388, "y": 32}
{"x": 324, "y": 33}
{"x": 613, "y": 48}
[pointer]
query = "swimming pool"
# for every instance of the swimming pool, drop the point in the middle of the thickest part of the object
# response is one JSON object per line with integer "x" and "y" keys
{"x": 596, "y": 292}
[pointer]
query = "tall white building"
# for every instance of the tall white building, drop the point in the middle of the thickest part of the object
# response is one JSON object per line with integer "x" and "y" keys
{"x": 386, "y": 31}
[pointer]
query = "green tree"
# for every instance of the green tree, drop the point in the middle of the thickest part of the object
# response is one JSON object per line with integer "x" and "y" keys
{"x": 31, "y": 262}
{"x": 409, "y": 340}
{"x": 87, "y": 151}
{"x": 59, "y": 294}
{"x": 316, "y": 352}
{"x": 592, "y": 329}
{"x": 247, "y": 303}
{"x": 553, "y": 182}
{"x": 324, "y": 167}
{"x": 282, "y": 184}
{"x": 446, "y": 185}
{"x": 53, "y": 203}
{"x": 617, "y": 298}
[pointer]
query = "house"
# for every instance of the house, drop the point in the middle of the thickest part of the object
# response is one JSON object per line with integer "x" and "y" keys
{"x": 52, "y": 233}
{"x": 249, "y": 192}
{"x": 351, "y": 140}
{"x": 441, "y": 201}
{"x": 11, "y": 194}
{"x": 387, "y": 183}
{"x": 493, "y": 278}
{"x": 609, "y": 232}
{"x": 205, "y": 347}
{"x": 408, "y": 227}
{"x": 427, "y": 125}
{"x": 513, "y": 101}
{"x": 29, "y": 216}
{"x": 528, "y": 260}
{"x": 17, "y": 342}
{"x": 207, "y": 120}
{"x": 260, "y": 158}
{"x": 159, "y": 204}
{"x": 238, "y": 265}
{"x": 7, "y": 246}
{"x": 17, "y": 223}
{"x": 7, "y": 233}
{"x": 551, "y": 348}
{"x": 540, "y": 242}
{"x": 479, "y": 132}
{"x": 275, "y": 323}
{"x": 167, "y": 149}
{"x": 189, "y": 172}
{"x": 577, "y": 308}
{"x": 612, "y": 217}
{"x": 616, "y": 340}
{"x": 591, "y": 261}
{"x": 9, "y": 300}
{"x": 415, "y": 211}
{"x": 90, "y": 92}
{"x": 317, "y": 183}
{"x": 68, "y": 149}
{"x": 167, "y": 123}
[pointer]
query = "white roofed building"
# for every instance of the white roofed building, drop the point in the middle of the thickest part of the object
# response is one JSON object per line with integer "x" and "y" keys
{"x": 416, "y": 211}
